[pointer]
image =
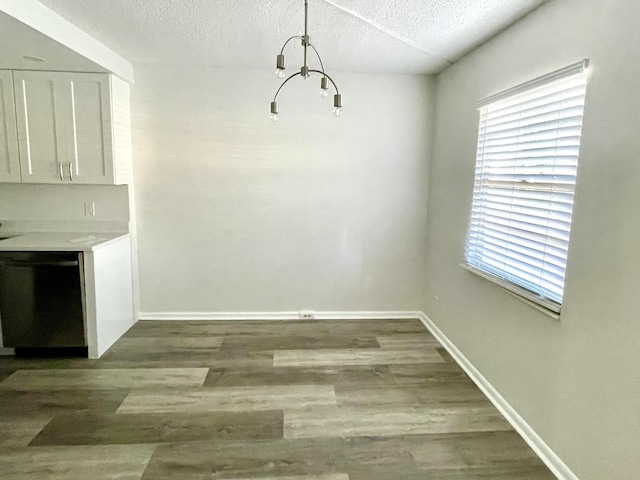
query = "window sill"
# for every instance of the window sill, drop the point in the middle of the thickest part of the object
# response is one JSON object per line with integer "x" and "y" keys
{"x": 511, "y": 291}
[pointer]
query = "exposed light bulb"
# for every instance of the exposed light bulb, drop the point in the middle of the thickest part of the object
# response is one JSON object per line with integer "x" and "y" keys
{"x": 337, "y": 111}
{"x": 274, "y": 117}
{"x": 280, "y": 73}
{"x": 324, "y": 87}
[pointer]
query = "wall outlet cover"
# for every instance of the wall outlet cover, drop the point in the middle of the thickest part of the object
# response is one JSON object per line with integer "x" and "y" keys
{"x": 90, "y": 209}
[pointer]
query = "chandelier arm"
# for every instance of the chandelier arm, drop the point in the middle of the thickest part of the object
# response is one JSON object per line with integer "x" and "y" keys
{"x": 318, "y": 55}
{"x": 283, "y": 83}
{"x": 326, "y": 75}
{"x": 285, "y": 43}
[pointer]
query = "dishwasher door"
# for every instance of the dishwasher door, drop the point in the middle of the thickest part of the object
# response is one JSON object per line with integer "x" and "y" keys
{"x": 41, "y": 302}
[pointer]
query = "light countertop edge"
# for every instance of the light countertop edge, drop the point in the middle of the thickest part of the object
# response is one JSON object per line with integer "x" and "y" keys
{"x": 59, "y": 241}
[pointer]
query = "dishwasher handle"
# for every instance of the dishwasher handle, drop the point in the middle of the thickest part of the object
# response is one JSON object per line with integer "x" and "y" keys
{"x": 54, "y": 263}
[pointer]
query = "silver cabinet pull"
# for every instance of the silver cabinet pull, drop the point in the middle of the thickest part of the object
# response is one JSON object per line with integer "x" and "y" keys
{"x": 61, "y": 172}
{"x": 71, "y": 171}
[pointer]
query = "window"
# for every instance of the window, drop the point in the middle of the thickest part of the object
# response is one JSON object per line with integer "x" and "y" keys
{"x": 528, "y": 145}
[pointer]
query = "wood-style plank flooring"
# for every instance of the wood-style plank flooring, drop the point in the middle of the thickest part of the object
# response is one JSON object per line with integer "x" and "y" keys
{"x": 295, "y": 400}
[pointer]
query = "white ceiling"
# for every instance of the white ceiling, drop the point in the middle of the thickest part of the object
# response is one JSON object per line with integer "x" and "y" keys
{"x": 249, "y": 33}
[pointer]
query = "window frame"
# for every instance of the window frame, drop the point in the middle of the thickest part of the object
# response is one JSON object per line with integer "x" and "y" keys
{"x": 537, "y": 299}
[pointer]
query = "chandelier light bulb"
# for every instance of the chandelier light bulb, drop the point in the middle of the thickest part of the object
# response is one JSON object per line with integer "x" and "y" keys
{"x": 324, "y": 87}
{"x": 280, "y": 66}
{"x": 337, "y": 105}
{"x": 274, "y": 111}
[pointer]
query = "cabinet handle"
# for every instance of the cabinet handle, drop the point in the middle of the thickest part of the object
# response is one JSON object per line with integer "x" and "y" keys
{"x": 71, "y": 171}
{"x": 61, "y": 172}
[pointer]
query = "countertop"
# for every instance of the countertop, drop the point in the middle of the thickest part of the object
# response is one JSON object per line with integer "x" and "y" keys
{"x": 58, "y": 242}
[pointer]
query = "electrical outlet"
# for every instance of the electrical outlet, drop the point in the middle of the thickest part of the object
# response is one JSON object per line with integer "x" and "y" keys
{"x": 307, "y": 314}
{"x": 89, "y": 209}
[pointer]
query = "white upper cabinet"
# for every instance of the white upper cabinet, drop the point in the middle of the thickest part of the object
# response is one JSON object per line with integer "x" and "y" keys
{"x": 65, "y": 127}
{"x": 88, "y": 128}
{"x": 9, "y": 159}
{"x": 40, "y": 114}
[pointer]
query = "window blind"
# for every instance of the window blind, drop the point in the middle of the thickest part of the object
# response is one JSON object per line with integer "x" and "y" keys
{"x": 526, "y": 163}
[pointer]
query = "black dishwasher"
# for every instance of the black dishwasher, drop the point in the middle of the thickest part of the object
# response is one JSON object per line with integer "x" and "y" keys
{"x": 41, "y": 299}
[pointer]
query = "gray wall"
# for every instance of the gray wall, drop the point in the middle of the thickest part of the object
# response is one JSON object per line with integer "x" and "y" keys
{"x": 238, "y": 214}
{"x": 574, "y": 380}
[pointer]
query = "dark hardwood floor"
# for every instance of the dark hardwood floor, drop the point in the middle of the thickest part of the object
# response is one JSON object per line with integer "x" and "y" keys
{"x": 295, "y": 400}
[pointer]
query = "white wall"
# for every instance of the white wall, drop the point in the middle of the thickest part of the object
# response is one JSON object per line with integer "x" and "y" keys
{"x": 34, "y": 207}
{"x": 576, "y": 380}
{"x": 238, "y": 214}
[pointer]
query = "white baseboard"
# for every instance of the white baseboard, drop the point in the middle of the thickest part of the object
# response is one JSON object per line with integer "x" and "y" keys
{"x": 7, "y": 351}
{"x": 219, "y": 316}
{"x": 366, "y": 315}
{"x": 369, "y": 315}
{"x": 537, "y": 444}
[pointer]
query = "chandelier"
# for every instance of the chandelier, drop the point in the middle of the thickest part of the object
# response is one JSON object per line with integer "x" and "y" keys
{"x": 305, "y": 72}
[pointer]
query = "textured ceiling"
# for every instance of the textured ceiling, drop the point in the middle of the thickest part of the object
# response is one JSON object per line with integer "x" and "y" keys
{"x": 397, "y": 36}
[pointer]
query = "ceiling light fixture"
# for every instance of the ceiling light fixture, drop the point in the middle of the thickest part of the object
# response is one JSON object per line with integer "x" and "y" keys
{"x": 305, "y": 71}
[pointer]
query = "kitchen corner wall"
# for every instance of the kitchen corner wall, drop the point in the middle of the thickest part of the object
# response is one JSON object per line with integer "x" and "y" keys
{"x": 238, "y": 214}
{"x": 575, "y": 381}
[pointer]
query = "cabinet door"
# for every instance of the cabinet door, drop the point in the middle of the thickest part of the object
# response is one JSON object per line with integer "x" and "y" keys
{"x": 88, "y": 128}
{"x": 9, "y": 159}
{"x": 41, "y": 136}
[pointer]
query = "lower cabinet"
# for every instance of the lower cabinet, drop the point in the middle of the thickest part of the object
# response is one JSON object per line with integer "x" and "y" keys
{"x": 108, "y": 282}
{"x": 61, "y": 299}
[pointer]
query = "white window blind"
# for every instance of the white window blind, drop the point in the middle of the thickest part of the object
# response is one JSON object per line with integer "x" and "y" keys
{"x": 527, "y": 158}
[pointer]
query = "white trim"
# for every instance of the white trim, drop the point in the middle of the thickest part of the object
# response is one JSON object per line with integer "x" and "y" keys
{"x": 574, "y": 69}
{"x": 7, "y": 351}
{"x": 369, "y": 315}
{"x": 540, "y": 308}
{"x": 546, "y": 306}
{"x": 537, "y": 444}
{"x": 351, "y": 315}
{"x": 219, "y": 316}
